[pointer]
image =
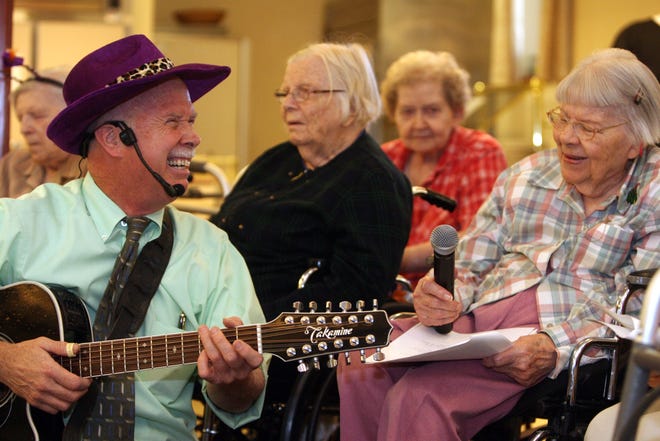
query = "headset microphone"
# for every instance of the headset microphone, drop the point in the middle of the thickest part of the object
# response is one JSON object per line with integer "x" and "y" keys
{"x": 127, "y": 137}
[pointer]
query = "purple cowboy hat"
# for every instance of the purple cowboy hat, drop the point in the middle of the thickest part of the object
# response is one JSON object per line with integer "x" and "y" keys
{"x": 116, "y": 73}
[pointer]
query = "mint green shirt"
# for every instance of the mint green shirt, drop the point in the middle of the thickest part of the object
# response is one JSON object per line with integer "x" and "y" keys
{"x": 70, "y": 236}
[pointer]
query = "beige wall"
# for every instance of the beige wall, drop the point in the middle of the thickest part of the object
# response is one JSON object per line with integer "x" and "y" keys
{"x": 275, "y": 29}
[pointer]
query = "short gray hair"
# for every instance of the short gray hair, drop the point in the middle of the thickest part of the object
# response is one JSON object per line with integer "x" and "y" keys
{"x": 54, "y": 73}
{"x": 615, "y": 78}
{"x": 422, "y": 66}
{"x": 349, "y": 68}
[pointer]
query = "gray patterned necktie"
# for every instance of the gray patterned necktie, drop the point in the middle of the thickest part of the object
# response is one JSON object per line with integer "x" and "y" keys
{"x": 113, "y": 415}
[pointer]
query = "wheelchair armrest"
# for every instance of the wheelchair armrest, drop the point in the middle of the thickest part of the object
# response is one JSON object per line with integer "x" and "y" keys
{"x": 637, "y": 281}
{"x": 402, "y": 314}
{"x": 608, "y": 343}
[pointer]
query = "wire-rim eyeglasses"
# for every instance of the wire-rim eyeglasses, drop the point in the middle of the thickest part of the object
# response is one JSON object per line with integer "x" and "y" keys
{"x": 301, "y": 94}
{"x": 584, "y": 132}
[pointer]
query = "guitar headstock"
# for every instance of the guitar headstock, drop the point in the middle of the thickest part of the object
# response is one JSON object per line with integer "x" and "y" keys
{"x": 300, "y": 335}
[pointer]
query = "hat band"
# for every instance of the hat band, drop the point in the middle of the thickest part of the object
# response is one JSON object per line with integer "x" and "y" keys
{"x": 145, "y": 70}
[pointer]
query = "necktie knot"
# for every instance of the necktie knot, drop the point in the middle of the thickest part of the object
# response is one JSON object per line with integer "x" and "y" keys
{"x": 136, "y": 226}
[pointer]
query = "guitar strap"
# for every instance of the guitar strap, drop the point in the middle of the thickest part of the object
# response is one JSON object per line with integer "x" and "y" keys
{"x": 131, "y": 309}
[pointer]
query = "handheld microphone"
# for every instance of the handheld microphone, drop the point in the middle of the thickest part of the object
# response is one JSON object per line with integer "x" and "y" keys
{"x": 128, "y": 138}
{"x": 444, "y": 239}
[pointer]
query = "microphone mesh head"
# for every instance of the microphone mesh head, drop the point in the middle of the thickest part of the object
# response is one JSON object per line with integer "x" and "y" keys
{"x": 444, "y": 239}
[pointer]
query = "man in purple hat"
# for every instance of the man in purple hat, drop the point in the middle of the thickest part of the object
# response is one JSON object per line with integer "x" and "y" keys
{"x": 130, "y": 113}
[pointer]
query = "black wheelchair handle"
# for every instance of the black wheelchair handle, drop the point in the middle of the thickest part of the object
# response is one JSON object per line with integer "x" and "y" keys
{"x": 434, "y": 198}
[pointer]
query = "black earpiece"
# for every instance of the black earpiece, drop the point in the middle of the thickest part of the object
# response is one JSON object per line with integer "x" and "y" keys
{"x": 127, "y": 136}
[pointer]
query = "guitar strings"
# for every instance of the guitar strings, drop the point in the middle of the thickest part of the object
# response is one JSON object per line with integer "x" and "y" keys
{"x": 100, "y": 357}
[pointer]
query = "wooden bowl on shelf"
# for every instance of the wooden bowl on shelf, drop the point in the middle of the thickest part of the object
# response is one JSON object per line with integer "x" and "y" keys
{"x": 199, "y": 16}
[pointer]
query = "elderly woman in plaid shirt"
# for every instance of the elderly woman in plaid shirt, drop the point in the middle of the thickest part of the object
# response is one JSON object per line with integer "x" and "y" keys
{"x": 557, "y": 235}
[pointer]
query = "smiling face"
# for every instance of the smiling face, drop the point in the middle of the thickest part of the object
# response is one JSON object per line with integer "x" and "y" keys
{"x": 35, "y": 108}
{"x": 423, "y": 118}
{"x": 599, "y": 166}
{"x": 162, "y": 119}
{"x": 316, "y": 122}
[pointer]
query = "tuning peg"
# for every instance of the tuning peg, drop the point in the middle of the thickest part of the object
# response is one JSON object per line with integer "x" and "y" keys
{"x": 375, "y": 304}
{"x": 363, "y": 356}
{"x": 302, "y": 366}
{"x": 347, "y": 358}
{"x": 313, "y": 306}
{"x": 379, "y": 356}
{"x": 332, "y": 361}
{"x": 316, "y": 364}
{"x": 360, "y": 305}
{"x": 328, "y": 306}
{"x": 345, "y": 305}
{"x": 297, "y": 306}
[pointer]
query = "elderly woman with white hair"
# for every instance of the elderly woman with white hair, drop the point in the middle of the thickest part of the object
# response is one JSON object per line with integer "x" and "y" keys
{"x": 549, "y": 248}
{"x": 327, "y": 194}
{"x": 36, "y": 102}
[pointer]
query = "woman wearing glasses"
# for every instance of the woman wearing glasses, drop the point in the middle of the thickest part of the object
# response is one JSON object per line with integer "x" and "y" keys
{"x": 549, "y": 248}
{"x": 327, "y": 194}
{"x": 36, "y": 102}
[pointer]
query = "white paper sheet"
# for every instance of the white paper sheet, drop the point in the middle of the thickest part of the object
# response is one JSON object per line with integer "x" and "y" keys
{"x": 422, "y": 343}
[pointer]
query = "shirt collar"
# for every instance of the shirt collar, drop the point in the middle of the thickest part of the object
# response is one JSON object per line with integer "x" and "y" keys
{"x": 106, "y": 215}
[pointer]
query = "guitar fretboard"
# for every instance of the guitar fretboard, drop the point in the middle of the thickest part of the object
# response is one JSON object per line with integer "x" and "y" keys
{"x": 111, "y": 357}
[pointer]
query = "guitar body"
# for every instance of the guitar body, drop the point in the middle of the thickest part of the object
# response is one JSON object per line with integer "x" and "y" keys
{"x": 29, "y": 310}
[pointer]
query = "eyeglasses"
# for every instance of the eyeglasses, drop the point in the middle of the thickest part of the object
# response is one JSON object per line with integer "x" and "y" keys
{"x": 584, "y": 132}
{"x": 300, "y": 94}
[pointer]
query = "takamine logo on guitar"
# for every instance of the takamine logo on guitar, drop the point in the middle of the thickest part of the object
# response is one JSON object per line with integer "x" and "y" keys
{"x": 29, "y": 310}
{"x": 317, "y": 334}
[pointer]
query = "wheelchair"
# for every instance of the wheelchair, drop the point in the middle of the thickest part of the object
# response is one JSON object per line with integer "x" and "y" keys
{"x": 300, "y": 416}
{"x": 568, "y": 403}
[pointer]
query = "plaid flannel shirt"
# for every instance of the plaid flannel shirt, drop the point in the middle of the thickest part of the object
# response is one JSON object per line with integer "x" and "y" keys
{"x": 532, "y": 230}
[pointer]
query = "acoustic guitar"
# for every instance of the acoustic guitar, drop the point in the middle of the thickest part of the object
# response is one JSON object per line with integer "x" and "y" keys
{"x": 31, "y": 309}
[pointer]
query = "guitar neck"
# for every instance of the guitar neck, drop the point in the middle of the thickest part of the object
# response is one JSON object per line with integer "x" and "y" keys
{"x": 110, "y": 357}
{"x": 291, "y": 336}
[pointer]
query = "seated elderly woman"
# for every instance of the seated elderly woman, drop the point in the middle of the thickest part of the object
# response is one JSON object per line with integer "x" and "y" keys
{"x": 329, "y": 193}
{"x": 36, "y": 102}
{"x": 425, "y": 94}
{"x": 554, "y": 241}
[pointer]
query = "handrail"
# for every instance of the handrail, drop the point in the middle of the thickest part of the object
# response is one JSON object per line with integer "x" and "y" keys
{"x": 215, "y": 171}
{"x": 492, "y": 102}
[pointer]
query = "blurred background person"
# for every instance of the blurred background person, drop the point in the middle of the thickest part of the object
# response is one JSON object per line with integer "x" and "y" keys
{"x": 327, "y": 194}
{"x": 642, "y": 38}
{"x": 425, "y": 94}
{"x": 36, "y": 102}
